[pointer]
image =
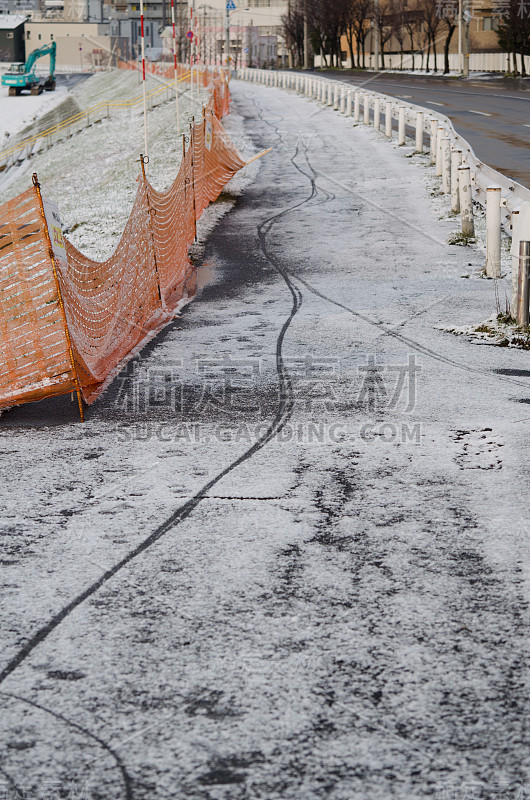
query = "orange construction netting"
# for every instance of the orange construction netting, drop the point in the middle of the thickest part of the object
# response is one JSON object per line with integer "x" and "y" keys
{"x": 67, "y": 322}
{"x": 35, "y": 357}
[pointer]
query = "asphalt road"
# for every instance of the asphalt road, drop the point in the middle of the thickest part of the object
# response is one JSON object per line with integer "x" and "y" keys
{"x": 493, "y": 115}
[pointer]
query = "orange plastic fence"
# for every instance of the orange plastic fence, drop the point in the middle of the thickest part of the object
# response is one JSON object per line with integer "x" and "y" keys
{"x": 209, "y": 79}
{"x": 69, "y": 322}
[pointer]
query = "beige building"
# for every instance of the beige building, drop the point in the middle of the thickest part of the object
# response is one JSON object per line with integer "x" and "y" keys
{"x": 484, "y": 49}
{"x": 81, "y": 45}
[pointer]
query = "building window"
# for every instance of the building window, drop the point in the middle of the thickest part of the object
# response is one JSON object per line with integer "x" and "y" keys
{"x": 490, "y": 23}
{"x": 27, "y": 34}
{"x": 9, "y": 35}
{"x": 40, "y": 37}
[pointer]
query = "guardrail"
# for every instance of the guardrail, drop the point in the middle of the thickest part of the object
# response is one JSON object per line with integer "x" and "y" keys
{"x": 464, "y": 177}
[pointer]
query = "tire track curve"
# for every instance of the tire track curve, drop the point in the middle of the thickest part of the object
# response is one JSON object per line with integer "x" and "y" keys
{"x": 283, "y": 413}
{"x": 385, "y": 330}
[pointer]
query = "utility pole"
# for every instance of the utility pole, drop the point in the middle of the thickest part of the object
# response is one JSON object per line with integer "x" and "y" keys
{"x": 290, "y": 52}
{"x": 376, "y": 35}
{"x": 460, "y": 51}
{"x": 227, "y": 36}
{"x": 306, "y": 42}
{"x": 250, "y": 43}
{"x": 466, "y": 15}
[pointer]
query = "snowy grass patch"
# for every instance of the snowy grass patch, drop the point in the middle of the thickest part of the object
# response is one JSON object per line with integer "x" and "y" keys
{"x": 499, "y": 330}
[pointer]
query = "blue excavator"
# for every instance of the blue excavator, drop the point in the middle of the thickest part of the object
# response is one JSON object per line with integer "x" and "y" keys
{"x": 22, "y": 76}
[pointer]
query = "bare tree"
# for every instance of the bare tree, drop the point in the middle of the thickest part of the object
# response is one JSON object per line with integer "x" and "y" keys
{"x": 293, "y": 30}
{"x": 448, "y": 14}
{"x": 412, "y": 24}
{"x": 327, "y": 20}
{"x": 382, "y": 17}
{"x": 432, "y": 21}
{"x": 423, "y": 39}
{"x": 356, "y": 26}
{"x": 514, "y": 31}
{"x": 399, "y": 30}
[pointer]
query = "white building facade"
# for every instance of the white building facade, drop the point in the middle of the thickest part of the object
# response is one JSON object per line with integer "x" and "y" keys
{"x": 256, "y": 32}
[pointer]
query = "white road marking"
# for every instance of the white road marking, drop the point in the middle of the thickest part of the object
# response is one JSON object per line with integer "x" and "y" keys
{"x": 526, "y": 126}
{"x": 432, "y": 103}
{"x": 482, "y": 113}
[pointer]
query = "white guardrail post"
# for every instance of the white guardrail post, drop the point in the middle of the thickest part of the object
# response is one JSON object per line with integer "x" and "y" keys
{"x": 343, "y": 99}
{"x": 493, "y": 231}
{"x": 366, "y": 109}
{"x": 377, "y": 113}
{"x": 357, "y": 107}
{"x": 419, "y": 132}
{"x": 456, "y": 161}
{"x": 401, "y": 126}
{"x": 466, "y": 201}
{"x": 446, "y": 165}
{"x": 434, "y": 128}
{"x": 388, "y": 119}
{"x": 440, "y": 133}
{"x": 349, "y": 99}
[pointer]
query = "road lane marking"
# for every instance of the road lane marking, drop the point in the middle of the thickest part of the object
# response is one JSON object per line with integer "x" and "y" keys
{"x": 432, "y": 103}
{"x": 482, "y": 113}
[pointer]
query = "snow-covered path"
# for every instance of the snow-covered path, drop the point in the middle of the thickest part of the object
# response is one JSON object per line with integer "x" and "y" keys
{"x": 286, "y": 555}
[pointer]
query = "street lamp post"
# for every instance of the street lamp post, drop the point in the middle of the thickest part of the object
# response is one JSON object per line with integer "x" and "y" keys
{"x": 460, "y": 64}
{"x": 306, "y": 43}
{"x": 376, "y": 35}
{"x": 227, "y": 36}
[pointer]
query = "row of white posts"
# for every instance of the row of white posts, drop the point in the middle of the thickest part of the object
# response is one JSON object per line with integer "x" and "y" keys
{"x": 450, "y": 164}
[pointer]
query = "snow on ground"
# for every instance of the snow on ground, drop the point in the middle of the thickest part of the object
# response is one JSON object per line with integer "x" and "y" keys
{"x": 17, "y": 113}
{"x": 343, "y": 613}
{"x": 92, "y": 176}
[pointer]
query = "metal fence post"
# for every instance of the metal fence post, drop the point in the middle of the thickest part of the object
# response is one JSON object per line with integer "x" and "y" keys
{"x": 366, "y": 109}
{"x": 515, "y": 260}
{"x": 349, "y": 103}
{"x": 466, "y": 201}
{"x": 336, "y": 97}
{"x": 522, "y": 293}
{"x": 493, "y": 231}
{"x": 357, "y": 107}
{"x": 343, "y": 100}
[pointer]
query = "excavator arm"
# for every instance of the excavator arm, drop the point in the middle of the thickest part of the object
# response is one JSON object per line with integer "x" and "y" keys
{"x": 48, "y": 49}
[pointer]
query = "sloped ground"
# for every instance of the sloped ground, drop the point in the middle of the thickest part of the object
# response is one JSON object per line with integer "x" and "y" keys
{"x": 92, "y": 175}
{"x": 286, "y": 555}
